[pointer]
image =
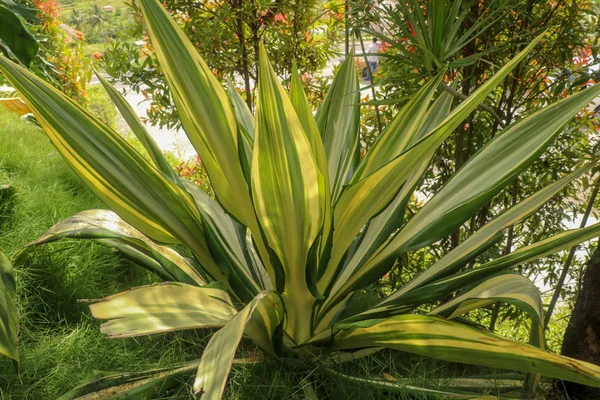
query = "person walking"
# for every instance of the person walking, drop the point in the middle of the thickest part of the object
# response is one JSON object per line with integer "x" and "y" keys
{"x": 372, "y": 59}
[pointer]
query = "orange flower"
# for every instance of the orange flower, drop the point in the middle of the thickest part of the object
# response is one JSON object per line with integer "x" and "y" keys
{"x": 97, "y": 56}
{"x": 279, "y": 17}
{"x": 49, "y": 8}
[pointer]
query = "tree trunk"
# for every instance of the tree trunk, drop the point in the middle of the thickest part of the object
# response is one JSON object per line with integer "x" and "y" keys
{"x": 582, "y": 337}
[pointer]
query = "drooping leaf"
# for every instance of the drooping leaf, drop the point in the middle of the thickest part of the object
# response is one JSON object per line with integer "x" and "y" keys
{"x": 509, "y": 288}
{"x": 108, "y": 228}
{"x": 128, "y": 385}
{"x": 217, "y": 359}
{"x": 161, "y": 308}
{"x": 446, "y": 340}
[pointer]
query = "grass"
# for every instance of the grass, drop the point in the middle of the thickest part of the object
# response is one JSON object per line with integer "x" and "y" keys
{"x": 60, "y": 344}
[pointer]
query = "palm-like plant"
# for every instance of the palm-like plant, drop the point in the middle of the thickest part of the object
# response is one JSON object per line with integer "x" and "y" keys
{"x": 300, "y": 222}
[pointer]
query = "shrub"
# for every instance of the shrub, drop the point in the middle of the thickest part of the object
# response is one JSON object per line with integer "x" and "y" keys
{"x": 300, "y": 222}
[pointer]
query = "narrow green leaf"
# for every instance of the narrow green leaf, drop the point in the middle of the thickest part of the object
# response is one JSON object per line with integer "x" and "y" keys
{"x": 242, "y": 112}
{"x": 368, "y": 196}
{"x": 114, "y": 171}
{"x": 400, "y": 133}
{"x": 379, "y": 229}
{"x": 488, "y": 172}
{"x": 205, "y": 110}
{"x": 446, "y": 340}
{"x": 140, "y": 131}
{"x": 338, "y": 120}
{"x": 108, "y": 228}
{"x": 488, "y": 235}
{"x": 305, "y": 115}
{"x": 288, "y": 191}
{"x": 163, "y": 308}
{"x": 403, "y": 131}
{"x": 218, "y": 357}
{"x": 208, "y": 119}
{"x": 226, "y": 239}
{"x": 442, "y": 287}
{"x": 508, "y": 288}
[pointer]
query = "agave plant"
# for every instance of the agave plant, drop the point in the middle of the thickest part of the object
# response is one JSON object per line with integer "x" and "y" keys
{"x": 300, "y": 222}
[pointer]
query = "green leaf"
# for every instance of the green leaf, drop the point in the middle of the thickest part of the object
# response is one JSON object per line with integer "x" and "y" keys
{"x": 488, "y": 235}
{"x": 9, "y": 316}
{"x": 300, "y": 103}
{"x": 242, "y": 112}
{"x": 508, "y": 288}
{"x": 338, "y": 120}
{"x": 379, "y": 229}
{"x": 450, "y": 341}
{"x": 140, "y": 131}
{"x": 368, "y": 196}
{"x": 30, "y": 14}
{"x": 15, "y": 38}
{"x": 206, "y": 113}
{"x": 265, "y": 309}
{"x": 226, "y": 239}
{"x": 246, "y": 128}
{"x": 161, "y": 308}
{"x": 128, "y": 385}
{"x": 114, "y": 171}
{"x": 442, "y": 287}
{"x": 288, "y": 192}
{"x": 400, "y": 134}
{"x": 208, "y": 119}
{"x": 109, "y": 229}
{"x": 488, "y": 172}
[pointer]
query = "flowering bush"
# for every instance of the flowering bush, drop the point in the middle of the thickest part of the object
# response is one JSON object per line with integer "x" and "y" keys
{"x": 62, "y": 49}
